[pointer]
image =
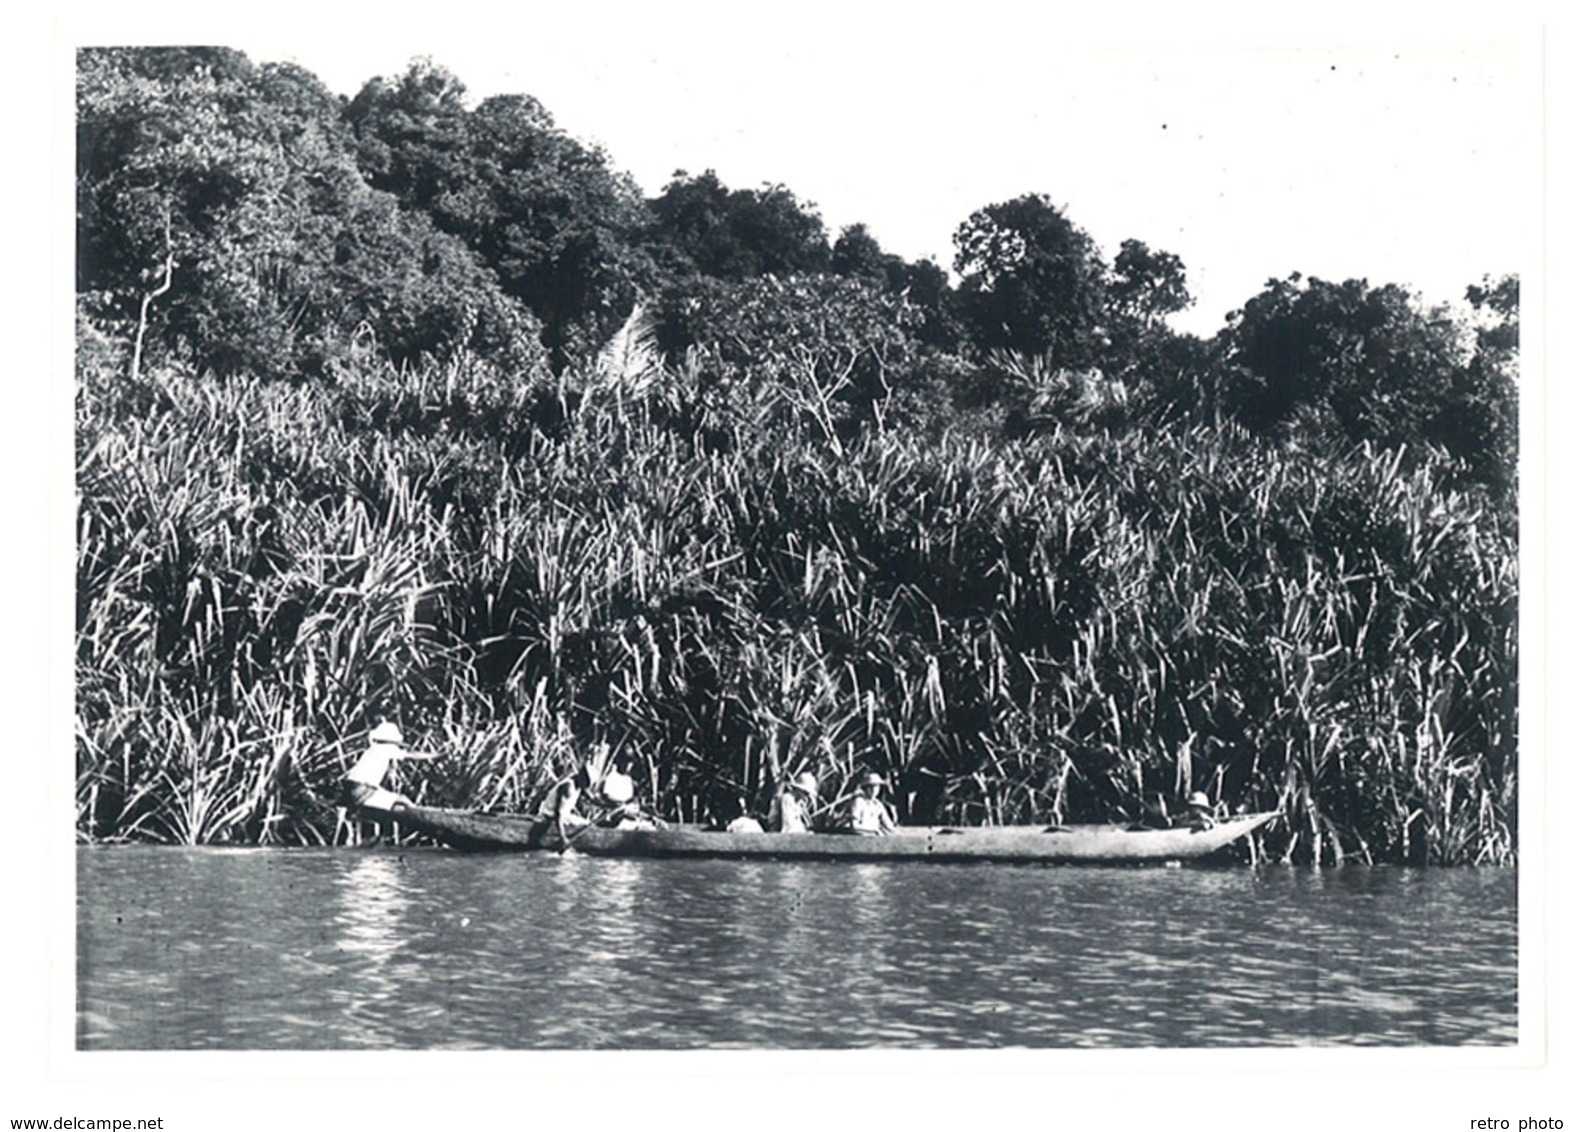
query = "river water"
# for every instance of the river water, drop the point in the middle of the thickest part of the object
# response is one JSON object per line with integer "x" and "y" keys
{"x": 428, "y": 949}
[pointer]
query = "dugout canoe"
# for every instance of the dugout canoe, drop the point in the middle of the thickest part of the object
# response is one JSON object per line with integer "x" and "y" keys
{"x": 1072, "y": 844}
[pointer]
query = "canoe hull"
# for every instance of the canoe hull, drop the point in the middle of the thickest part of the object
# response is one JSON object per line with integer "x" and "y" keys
{"x": 1090, "y": 844}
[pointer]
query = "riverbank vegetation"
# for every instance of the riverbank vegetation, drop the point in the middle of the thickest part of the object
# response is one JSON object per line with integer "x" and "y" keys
{"x": 395, "y": 407}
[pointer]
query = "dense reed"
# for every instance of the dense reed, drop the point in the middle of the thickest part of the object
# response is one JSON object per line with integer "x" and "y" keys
{"x": 713, "y": 578}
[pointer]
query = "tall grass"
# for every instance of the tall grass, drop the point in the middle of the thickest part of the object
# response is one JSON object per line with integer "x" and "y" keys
{"x": 717, "y": 584}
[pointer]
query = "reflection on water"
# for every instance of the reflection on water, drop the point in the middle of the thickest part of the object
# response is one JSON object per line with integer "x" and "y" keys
{"x": 369, "y": 934}
{"x": 311, "y": 949}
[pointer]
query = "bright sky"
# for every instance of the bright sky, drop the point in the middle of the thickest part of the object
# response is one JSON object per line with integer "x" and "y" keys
{"x": 1401, "y": 155}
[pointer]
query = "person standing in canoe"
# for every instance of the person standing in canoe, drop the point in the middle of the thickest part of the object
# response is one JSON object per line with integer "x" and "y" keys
{"x": 793, "y": 809}
{"x": 871, "y": 817}
{"x": 362, "y": 785}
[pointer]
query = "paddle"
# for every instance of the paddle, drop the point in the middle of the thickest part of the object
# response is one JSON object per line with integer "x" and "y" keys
{"x": 841, "y": 799}
{"x": 578, "y": 833}
{"x": 776, "y": 766}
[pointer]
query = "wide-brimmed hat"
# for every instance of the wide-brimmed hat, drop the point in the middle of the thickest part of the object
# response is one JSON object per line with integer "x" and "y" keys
{"x": 387, "y": 733}
{"x": 1199, "y": 799}
{"x": 806, "y": 783}
{"x": 870, "y": 778}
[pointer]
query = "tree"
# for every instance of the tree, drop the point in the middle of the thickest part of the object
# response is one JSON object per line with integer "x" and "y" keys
{"x": 1147, "y": 285}
{"x": 147, "y": 171}
{"x": 1496, "y": 305}
{"x": 412, "y": 136}
{"x": 858, "y": 254}
{"x": 1367, "y": 359}
{"x": 926, "y": 286}
{"x": 739, "y": 234}
{"x": 422, "y": 292}
{"x": 923, "y": 284}
{"x": 192, "y": 216}
{"x": 1032, "y": 281}
{"x": 1483, "y": 426}
{"x": 221, "y": 211}
{"x": 563, "y": 232}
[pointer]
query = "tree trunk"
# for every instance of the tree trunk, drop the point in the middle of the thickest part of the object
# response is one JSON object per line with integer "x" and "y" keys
{"x": 142, "y": 317}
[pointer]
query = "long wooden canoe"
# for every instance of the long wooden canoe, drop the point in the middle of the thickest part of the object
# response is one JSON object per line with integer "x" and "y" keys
{"x": 1094, "y": 844}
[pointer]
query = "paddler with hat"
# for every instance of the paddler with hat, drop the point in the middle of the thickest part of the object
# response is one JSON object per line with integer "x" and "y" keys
{"x": 871, "y": 816}
{"x": 362, "y": 786}
{"x": 793, "y": 810}
{"x": 1199, "y": 812}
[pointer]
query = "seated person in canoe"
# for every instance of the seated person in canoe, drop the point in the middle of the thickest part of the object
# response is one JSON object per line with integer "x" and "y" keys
{"x": 793, "y": 809}
{"x": 561, "y": 807}
{"x": 726, "y": 813}
{"x": 620, "y": 807}
{"x": 1196, "y": 813}
{"x": 1199, "y": 812}
{"x": 871, "y": 816}
{"x": 745, "y": 823}
{"x": 607, "y": 791}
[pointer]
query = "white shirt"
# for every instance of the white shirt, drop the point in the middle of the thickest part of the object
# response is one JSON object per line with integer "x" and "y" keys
{"x": 372, "y": 767}
{"x": 617, "y": 788}
{"x": 871, "y": 816}
{"x": 793, "y": 813}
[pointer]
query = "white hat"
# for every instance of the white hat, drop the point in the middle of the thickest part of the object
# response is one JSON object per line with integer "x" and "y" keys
{"x": 1198, "y": 799}
{"x": 387, "y": 733}
{"x": 806, "y": 783}
{"x": 617, "y": 787}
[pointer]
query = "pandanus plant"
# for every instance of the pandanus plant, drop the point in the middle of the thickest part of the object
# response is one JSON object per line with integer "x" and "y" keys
{"x": 517, "y": 567}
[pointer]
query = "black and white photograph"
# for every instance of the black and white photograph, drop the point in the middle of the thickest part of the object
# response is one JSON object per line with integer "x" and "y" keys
{"x": 685, "y": 562}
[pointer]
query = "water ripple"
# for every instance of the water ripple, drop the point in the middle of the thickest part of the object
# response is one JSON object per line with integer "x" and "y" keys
{"x": 377, "y": 949}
